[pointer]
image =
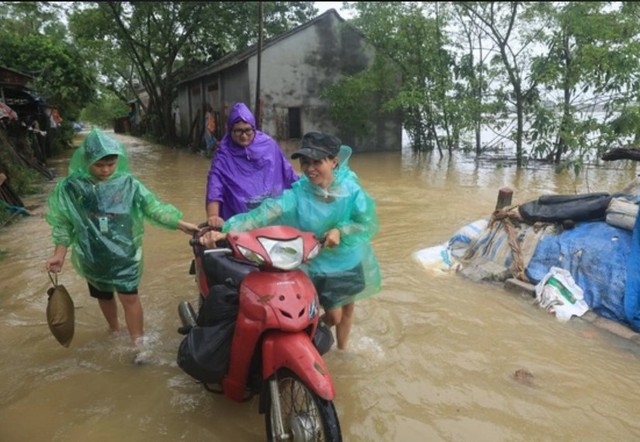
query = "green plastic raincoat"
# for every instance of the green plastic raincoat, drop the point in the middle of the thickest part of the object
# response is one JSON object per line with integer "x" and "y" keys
{"x": 341, "y": 274}
{"x": 103, "y": 221}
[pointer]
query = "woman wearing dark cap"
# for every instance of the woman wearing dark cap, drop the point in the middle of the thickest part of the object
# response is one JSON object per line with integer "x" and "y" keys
{"x": 248, "y": 167}
{"x": 329, "y": 201}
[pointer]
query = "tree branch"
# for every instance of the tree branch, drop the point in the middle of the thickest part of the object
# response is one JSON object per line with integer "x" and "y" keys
{"x": 622, "y": 153}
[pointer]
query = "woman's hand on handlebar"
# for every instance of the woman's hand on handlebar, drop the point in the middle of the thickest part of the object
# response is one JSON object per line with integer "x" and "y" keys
{"x": 215, "y": 221}
{"x": 331, "y": 238}
{"x": 210, "y": 238}
{"x": 202, "y": 229}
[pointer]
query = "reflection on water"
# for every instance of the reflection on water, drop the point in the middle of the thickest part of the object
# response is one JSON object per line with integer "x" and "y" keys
{"x": 432, "y": 356}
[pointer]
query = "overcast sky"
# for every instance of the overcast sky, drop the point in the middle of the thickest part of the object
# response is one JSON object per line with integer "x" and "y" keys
{"x": 325, "y": 6}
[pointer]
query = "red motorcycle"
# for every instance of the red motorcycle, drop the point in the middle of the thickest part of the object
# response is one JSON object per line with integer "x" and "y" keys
{"x": 257, "y": 331}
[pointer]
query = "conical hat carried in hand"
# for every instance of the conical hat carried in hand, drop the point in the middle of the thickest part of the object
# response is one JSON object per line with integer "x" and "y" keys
{"x": 60, "y": 312}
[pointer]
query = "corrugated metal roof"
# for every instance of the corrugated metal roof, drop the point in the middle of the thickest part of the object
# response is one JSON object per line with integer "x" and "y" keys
{"x": 12, "y": 77}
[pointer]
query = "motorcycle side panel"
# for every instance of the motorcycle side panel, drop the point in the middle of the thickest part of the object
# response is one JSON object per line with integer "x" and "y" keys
{"x": 269, "y": 301}
{"x": 296, "y": 352}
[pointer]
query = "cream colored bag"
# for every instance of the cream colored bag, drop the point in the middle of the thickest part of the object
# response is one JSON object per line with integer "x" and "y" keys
{"x": 558, "y": 293}
{"x": 60, "y": 312}
{"x": 622, "y": 213}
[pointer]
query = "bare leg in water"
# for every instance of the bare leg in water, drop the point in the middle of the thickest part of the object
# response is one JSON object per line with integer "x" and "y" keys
{"x": 110, "y": 311}
{"x": 342, "y": 318}
{"x": 133, "y": 316}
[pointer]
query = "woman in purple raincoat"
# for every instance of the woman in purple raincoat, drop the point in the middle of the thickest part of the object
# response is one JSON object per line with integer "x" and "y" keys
{"x": 248, "y": 167}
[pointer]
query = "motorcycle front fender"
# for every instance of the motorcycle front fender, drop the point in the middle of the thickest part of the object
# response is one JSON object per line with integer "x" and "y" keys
{"x": 296, "y": 352}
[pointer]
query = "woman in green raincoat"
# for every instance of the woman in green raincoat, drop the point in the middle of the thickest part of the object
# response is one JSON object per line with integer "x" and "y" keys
{"x": 99, "y": 210}
{"x": 330, "y": 202}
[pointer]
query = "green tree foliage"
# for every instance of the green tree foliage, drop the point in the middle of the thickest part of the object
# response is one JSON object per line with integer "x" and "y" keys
{"x": 355, "y": 99}
{"x": 477, "y": 75}
{"x": 61, "y": 73}
{"x": 499, "y": 22}
{"x": 559, "y": 81}
{"x": 104, "y": 109}
{"x": 29, "y": 18}
{"x": 409, "y": 36}
{"x": 588, "y": 81}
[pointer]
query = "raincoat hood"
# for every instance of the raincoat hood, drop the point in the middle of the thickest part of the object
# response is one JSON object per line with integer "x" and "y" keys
{"x": 240, "y": 112}
{"x": 97, "y": 145}
{"x": 261, "y": 142}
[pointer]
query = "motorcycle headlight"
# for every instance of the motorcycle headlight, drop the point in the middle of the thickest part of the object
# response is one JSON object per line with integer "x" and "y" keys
{"x": 285, "y": 255}
{"x": 251, "y": 255}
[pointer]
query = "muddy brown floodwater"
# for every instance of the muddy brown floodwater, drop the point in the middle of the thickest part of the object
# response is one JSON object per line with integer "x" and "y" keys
{"x": 433, "y": 356}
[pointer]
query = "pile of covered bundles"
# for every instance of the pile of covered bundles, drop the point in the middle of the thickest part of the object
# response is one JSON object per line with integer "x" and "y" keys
{"x": 595, "y": 237}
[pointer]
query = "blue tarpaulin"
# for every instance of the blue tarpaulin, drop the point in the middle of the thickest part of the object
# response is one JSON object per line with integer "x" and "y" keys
{"x": 597, "y": 255}
{"x": 632, "y": 289}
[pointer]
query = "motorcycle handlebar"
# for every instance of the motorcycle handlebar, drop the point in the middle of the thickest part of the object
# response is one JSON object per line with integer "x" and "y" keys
{"x": 204, "y": 228}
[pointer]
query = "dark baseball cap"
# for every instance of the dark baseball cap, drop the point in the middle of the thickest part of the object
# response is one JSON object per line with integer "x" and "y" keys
{"x": 317, "y": 145}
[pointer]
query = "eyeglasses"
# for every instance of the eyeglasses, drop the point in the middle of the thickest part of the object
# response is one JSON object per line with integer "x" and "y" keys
{"x": 239, "y": 132}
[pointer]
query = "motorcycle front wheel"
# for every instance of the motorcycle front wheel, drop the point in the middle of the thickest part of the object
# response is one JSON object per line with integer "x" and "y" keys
{"x": 305, "y": 415}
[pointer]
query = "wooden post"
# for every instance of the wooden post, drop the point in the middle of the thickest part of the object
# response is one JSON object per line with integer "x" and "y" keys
{"x": 504, "y": 198}
{"x": 257, "y": 113}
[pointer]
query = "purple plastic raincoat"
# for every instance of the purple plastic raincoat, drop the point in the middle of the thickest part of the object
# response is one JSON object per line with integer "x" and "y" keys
{"x": 240, "y": 178}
